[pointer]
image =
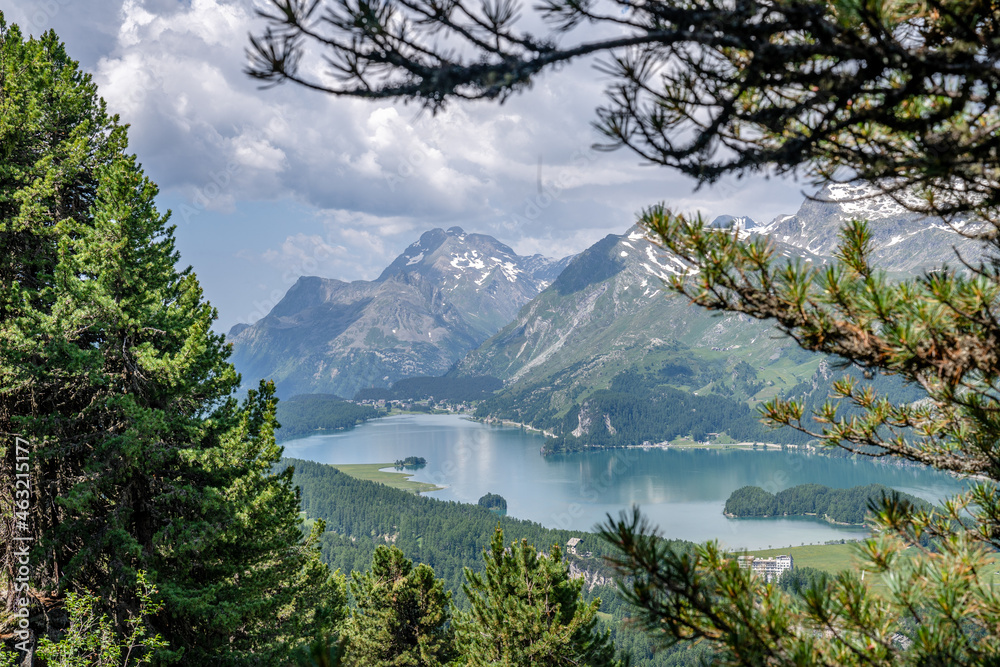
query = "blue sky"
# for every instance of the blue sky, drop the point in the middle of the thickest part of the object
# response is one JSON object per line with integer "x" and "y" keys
{"x": 267, "y": 185}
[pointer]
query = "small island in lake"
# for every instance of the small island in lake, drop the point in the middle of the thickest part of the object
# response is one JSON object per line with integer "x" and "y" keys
{"x": 410, "y": 462}
{"x": 843, "y": 506}
{"x": 495, "y": 503}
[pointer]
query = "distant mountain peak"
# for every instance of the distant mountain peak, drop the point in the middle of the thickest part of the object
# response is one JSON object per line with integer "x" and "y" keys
{"x": 442, "y": 296}
{"x": 901, "y": 239}
{"x": 730, "y": 221}
{"x": 430, "y": 240}
{"x": 608, "y": 304}
{"x": 865, "y": 200}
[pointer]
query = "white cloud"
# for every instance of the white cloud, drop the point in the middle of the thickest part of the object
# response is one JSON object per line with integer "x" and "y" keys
{"x": 134, "y": 18}
{"x": 304, "y": 255}
{"x": 377, "y": 175}
{"x": 255, "y": 152}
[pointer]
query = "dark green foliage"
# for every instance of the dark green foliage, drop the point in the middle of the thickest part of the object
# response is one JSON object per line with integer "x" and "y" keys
{"x": 410, "y": 462}
{"x": 448, "y": 536}
{"x": 495, "y": 502}
{"x": 751, "y": 501}
{"x": 92, "y": 640}
{"x": 324, "y": 651}
{"x": 526, "y": 610}
{"x": 672, "y": 371}
{"x": 402, "y": 614}
{"x": 643, "y": 651}
{"x": 142, "y": 458}
{"x": 439, "y": 388}
{"x": 801, "y": 579}
{"x": 307, "y": 413}
{"x": 839, "y": 505}
{"x": 745, "y": 379}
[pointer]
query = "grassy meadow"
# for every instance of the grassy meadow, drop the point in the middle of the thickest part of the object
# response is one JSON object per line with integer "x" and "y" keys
{"x": 398, "y": 480}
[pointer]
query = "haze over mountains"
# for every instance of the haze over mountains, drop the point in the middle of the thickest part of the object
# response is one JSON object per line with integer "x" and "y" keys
{"x": 560, "y": 332}
{"x": 443, "y": 296}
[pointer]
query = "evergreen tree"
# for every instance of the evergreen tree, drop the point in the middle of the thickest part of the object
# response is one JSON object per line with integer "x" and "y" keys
{"x": 526, "y": 610}
{"x": 92, "y": 641}
{"x": 141, "y": 459}
{"x": 402, "y": 615}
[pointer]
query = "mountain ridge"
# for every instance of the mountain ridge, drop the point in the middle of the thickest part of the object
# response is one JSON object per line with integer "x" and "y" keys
{"x": 567, "y": 354}
{"x": 441, "y": 297}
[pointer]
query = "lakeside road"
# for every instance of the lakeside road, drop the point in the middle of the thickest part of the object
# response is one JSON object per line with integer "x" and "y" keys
{"x": 374, "y": 472}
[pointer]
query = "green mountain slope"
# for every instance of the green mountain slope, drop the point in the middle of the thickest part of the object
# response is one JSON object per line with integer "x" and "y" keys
{"x": 607, "y": 342}
{"x": 606, "y": 314}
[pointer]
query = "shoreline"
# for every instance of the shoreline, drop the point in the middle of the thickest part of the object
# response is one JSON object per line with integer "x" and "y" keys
{"x": 812, "y": 515}
{"x": 507, "y": 422}
{"x": 716, "y": 445}
{"x": 663, "y": 445}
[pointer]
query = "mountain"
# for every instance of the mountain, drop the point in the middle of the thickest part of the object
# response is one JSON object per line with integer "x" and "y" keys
{"x": 606, "y": 356}
{"x": 902, "y": 242}
{"x": 443, "y": 296}
{"x": 608, "y": 316}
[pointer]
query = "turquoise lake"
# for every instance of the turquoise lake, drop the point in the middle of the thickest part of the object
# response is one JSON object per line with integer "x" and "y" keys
{"x": 683, "y": 491}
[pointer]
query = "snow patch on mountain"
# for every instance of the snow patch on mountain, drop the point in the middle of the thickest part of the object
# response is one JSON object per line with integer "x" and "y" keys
{"x": 444, "y": 295}
{"x": 465, "y": 262}
{"x": 901, "y": 240}
{"x": 509, "y": 269}
{"x": 863, "y": 200}
{"x": 662, "y": 264}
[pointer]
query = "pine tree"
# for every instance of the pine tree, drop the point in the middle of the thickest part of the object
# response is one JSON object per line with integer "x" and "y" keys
{"x": 402, "y": 615}
{"x": 937, "y": 331}
{"x": 141, "y": 457}
{"x": 526, "y": 610}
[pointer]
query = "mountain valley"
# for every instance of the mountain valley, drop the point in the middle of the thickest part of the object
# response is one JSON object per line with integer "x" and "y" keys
{"x": 592, "y": 348}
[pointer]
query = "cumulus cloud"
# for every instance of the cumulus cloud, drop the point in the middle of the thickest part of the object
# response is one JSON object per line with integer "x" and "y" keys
{"x": 304, "y": 255}
{"x": 374, "y": 175}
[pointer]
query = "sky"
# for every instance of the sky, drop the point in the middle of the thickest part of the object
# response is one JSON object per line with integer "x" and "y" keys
{"x": 266, "y": 185}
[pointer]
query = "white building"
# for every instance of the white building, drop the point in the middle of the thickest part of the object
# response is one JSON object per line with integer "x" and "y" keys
{"x": 769, "y": 568}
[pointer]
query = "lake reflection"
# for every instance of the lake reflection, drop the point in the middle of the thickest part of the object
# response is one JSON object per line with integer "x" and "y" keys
{"x": 682, "y": 491}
